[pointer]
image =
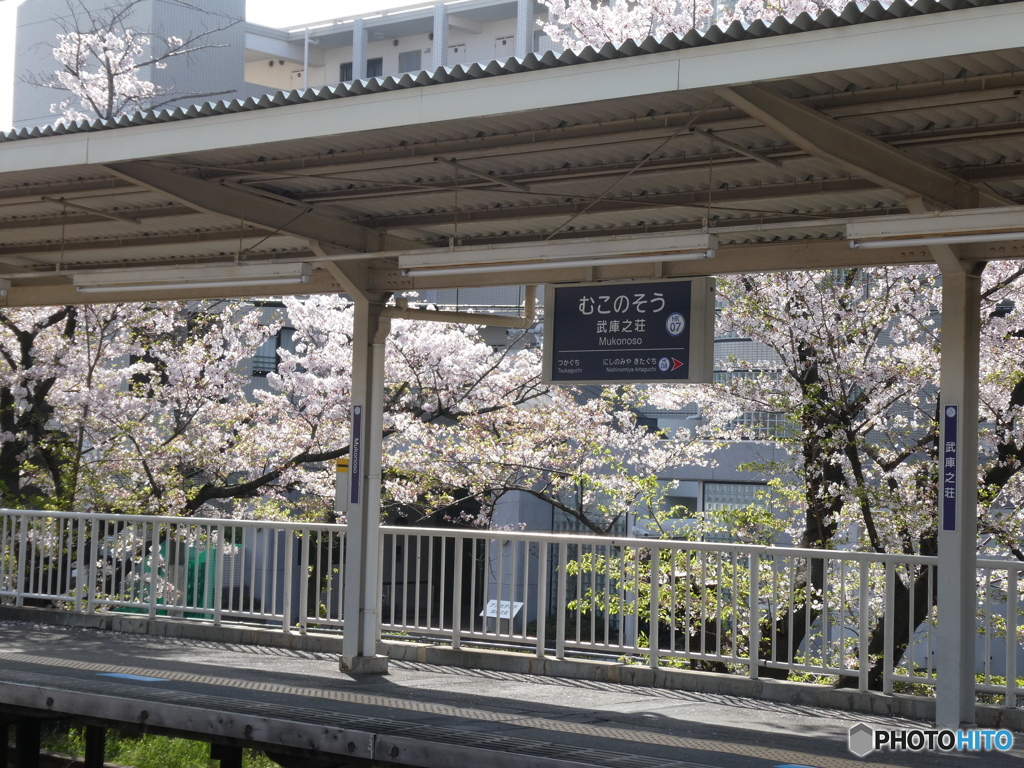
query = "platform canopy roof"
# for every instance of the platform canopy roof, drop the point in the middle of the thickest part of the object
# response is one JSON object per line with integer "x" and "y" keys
{"x": 762, "y": 143}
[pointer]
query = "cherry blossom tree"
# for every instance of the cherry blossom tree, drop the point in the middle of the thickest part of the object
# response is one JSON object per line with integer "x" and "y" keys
{"x": 140, "y": 408}
{"x": 576, "y": 24}
{"x": 853, "y": 363}
{"x": 67, "y": 374}
{"x": 34, "y": 350}
{"x": 174, "y": 418}
{"x": 586, "y": 455}
{"x": 842, "y": 376}
{"x": 465, "y": 424}
{"x": 181, "y": 439}
{"x": 104, "y": 63}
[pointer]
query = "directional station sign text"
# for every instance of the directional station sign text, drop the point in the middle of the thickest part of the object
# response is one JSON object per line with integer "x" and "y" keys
{"x": 630, "y": 332}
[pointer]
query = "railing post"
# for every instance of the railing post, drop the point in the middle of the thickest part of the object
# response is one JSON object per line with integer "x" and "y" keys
{"x": 219, "y": 549}
{"x": 655, "y": 603}
{"x": 342, "y": 544}
{"x": 864, "y": 625}
{"x": 154, "y": 566}
{"x": 22, "y": 560}
{"x": 304, "y": 582}
{"x": 543, "y": 548}
{"x": 289, "y": 579}
{"x": 499, "y": 587}
{"x": 81, "y": 602}
{"x": 460, "y": 545}
{"x": 98, "y": 528}
{"x": 1010, "y": 698}
{"x": 561, "y": 601}
{"x": 754, "y": 600}
{"x": 890, "y": 618}
{"x": 378, "y": 601}
{"x": 6, "y": 544}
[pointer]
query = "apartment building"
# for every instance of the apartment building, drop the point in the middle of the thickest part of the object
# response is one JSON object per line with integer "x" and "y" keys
{"x": 237, "y": 59}
{"x": 394, "y": 42}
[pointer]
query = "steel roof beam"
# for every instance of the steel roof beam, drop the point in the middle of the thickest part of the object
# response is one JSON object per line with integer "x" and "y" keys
{"x": 140, "y": 215}
{"x": 697, "y": 199}
{"x": 30, "y": 192}
{"x": 863, "y": 155}
{"x": 230, "y": 201}
{"x": 229, "y": 237}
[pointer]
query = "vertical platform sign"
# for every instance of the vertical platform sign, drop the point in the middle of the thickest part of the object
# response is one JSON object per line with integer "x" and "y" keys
{"x": 948, "y": 473}
{"x": 657, "y": 332}
{"x": 356, "y": 453}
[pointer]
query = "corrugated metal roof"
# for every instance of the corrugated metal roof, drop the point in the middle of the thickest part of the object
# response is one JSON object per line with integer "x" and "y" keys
{"x": 854, "y": 14}
{"x": 599, "y": 151}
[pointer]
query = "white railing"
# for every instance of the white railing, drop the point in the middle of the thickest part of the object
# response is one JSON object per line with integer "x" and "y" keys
{"x": 220, "y": 570}
{"x": 819, "y": 615}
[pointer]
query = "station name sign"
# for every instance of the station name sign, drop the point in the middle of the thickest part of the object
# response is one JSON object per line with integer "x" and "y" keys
{"x": 643, "y": 333}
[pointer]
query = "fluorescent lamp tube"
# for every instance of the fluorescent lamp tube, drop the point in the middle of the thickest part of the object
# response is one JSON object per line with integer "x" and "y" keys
{"x": 981, "y": 237}
{"x": 186, "y": 286}
{"x": 473, "y": 269}
{"x": 977, "y": 225}
{"x": 660, "y": 247}
{"x": 157, "y": 278}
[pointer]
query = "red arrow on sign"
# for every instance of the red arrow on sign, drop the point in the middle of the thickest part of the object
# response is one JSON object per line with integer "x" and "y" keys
{"x": 676, "y": 364}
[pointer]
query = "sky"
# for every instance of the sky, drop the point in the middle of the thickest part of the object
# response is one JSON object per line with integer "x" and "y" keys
{"x": 274, "y": 13}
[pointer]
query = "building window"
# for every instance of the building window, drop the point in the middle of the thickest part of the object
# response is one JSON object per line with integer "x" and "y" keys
{"x": 727, "y": 497}
{"x": 374, "y": 67}
{"x": 267, "y": 359}
{"x": 681, "y": 499}
{"x": 345, "y": 73}
{"x": 542, "y": 43}
{"x": 409, "y": 61}
{"x": 766, "y": 425}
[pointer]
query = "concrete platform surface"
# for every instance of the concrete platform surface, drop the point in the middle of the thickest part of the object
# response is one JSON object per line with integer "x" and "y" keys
{"x": 298, "y": 702}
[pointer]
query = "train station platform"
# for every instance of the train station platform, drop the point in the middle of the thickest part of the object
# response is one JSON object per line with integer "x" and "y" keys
{"x": 297, "y": 703}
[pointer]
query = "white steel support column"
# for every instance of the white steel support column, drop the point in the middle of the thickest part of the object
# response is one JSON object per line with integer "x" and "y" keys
{"x": 359, "y": 50}
{"x": 524, "y": 28}
{"x": 957, "y": 599}
{"x": 439, "y": 46}
{"x": 362, "y": 578}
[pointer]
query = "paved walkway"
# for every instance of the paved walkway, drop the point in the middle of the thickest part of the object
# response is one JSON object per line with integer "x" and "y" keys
{"x": 423, "y": 715}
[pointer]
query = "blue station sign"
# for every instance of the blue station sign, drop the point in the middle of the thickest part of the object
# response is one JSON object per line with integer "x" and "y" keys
{"x": 601, "y": 333}
{"x": 948, "y": 474}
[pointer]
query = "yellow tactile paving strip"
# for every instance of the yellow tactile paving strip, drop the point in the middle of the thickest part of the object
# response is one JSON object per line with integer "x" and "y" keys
{"x": 582, "y": 729}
